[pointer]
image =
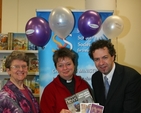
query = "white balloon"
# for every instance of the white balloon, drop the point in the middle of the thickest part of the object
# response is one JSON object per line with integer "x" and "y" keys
{"x": 61, "y": 21}
{"x": 112, "y": 26}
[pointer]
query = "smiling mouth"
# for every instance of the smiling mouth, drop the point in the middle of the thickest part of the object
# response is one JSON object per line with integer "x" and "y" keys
{"x": 103, "y": 68}
{"x": 66, "y": 72}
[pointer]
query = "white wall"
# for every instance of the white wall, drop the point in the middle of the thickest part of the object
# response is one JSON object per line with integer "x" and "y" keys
{"x": 16, "y": 13}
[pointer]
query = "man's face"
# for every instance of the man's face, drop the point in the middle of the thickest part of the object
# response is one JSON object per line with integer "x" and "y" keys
{"x": 103, "y": 60}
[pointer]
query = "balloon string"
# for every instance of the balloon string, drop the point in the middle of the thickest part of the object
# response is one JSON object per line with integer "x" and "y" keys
{"x": 68, "y": 43}
{"x": 58, "y": 43}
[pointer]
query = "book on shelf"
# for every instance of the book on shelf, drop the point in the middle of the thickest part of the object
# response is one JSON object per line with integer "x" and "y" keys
{"x": 37, "y": 85}
{"x": 4, "y": 41}
{"x": 31, "y": 46}
{"x": 33, "y": 84}
{"x": 33, "y": 64}
{"x": 16, "y": 41}
{"x": 19, "y": 41}
{"x": 10, "y": 40}
{"x": 2, "y": 63}
{"x": 73, "y": 102}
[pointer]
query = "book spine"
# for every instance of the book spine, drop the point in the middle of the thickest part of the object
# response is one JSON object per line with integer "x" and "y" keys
{"x": 10, "y": 40}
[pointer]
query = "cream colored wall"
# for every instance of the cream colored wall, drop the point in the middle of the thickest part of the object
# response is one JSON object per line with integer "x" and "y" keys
{"x": 16, "y": 13}
{"x": 128, "y": 44}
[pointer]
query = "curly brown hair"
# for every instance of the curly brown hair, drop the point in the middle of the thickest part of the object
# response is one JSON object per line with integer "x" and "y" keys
{"x": 16, "y": 55}
{"x": 101, "y": 44}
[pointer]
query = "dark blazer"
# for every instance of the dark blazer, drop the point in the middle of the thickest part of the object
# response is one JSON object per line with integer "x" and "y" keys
{"x": 124, "y": 94}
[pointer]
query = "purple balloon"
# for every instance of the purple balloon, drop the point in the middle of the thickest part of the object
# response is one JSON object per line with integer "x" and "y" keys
{"x": 89, "y": 23}
{"x": 38, "y": 31}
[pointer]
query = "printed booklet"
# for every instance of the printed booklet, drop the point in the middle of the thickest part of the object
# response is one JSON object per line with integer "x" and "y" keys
{"x": 73, "y": 102}
{"x": 91, "y": 108}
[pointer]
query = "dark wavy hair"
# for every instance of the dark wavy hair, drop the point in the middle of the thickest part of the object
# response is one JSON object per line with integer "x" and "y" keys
{"x": 101, "y": 44}
{"x": 65, "y": 52}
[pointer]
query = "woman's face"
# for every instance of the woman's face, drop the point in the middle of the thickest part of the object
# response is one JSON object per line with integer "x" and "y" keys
{"x": 18, "y": 71}
{"x": 65, "y": 68}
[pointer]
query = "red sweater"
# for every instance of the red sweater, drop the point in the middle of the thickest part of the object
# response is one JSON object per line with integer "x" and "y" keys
{"x": 54, "y": 94}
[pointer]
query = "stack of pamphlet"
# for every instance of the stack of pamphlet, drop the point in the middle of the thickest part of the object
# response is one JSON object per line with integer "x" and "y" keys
{"x": 82, "y": 102}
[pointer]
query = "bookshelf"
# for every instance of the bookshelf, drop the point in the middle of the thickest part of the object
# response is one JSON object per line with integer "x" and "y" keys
{"x": 29, "y": 73}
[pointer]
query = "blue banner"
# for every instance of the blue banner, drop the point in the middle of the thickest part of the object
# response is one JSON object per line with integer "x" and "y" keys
{"x": 75, "y": 41}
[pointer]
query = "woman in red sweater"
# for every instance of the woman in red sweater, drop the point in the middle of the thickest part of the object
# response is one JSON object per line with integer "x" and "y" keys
{"x": 64, "y": 85}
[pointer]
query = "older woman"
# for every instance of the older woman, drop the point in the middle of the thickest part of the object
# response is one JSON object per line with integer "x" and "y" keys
{"x": 15, "y": 97}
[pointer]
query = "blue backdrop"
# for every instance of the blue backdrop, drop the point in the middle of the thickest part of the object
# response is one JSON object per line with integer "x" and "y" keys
{"x": 85, "y": 67}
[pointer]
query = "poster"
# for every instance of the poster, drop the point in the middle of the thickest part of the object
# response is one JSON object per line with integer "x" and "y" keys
{"x": 85, "y": 67}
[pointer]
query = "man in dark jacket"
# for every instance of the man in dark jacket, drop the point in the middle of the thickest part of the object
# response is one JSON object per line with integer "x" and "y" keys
{"x": 124, "y": 94}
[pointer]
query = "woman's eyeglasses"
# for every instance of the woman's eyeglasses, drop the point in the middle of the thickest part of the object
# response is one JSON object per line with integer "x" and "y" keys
{"x": 17, "y": 67}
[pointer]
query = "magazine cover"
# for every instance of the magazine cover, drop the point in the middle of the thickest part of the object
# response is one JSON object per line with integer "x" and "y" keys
{"x": 91, "y": 108}
{"x": 73, "y": 102}
{"x": 85, "y": 107}
{"x": 96, "y": 108}
{"x": 19, "y": 41}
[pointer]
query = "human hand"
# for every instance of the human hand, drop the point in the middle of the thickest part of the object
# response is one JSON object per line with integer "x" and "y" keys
{"x": 65, "y": 111}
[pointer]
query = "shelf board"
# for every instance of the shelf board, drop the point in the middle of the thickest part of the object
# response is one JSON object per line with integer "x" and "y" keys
{"x": 26, "y": 51}
{"x": 33, "y": 73}
{"x": 3, "y": 73}
{"x": 29, "y": 73}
